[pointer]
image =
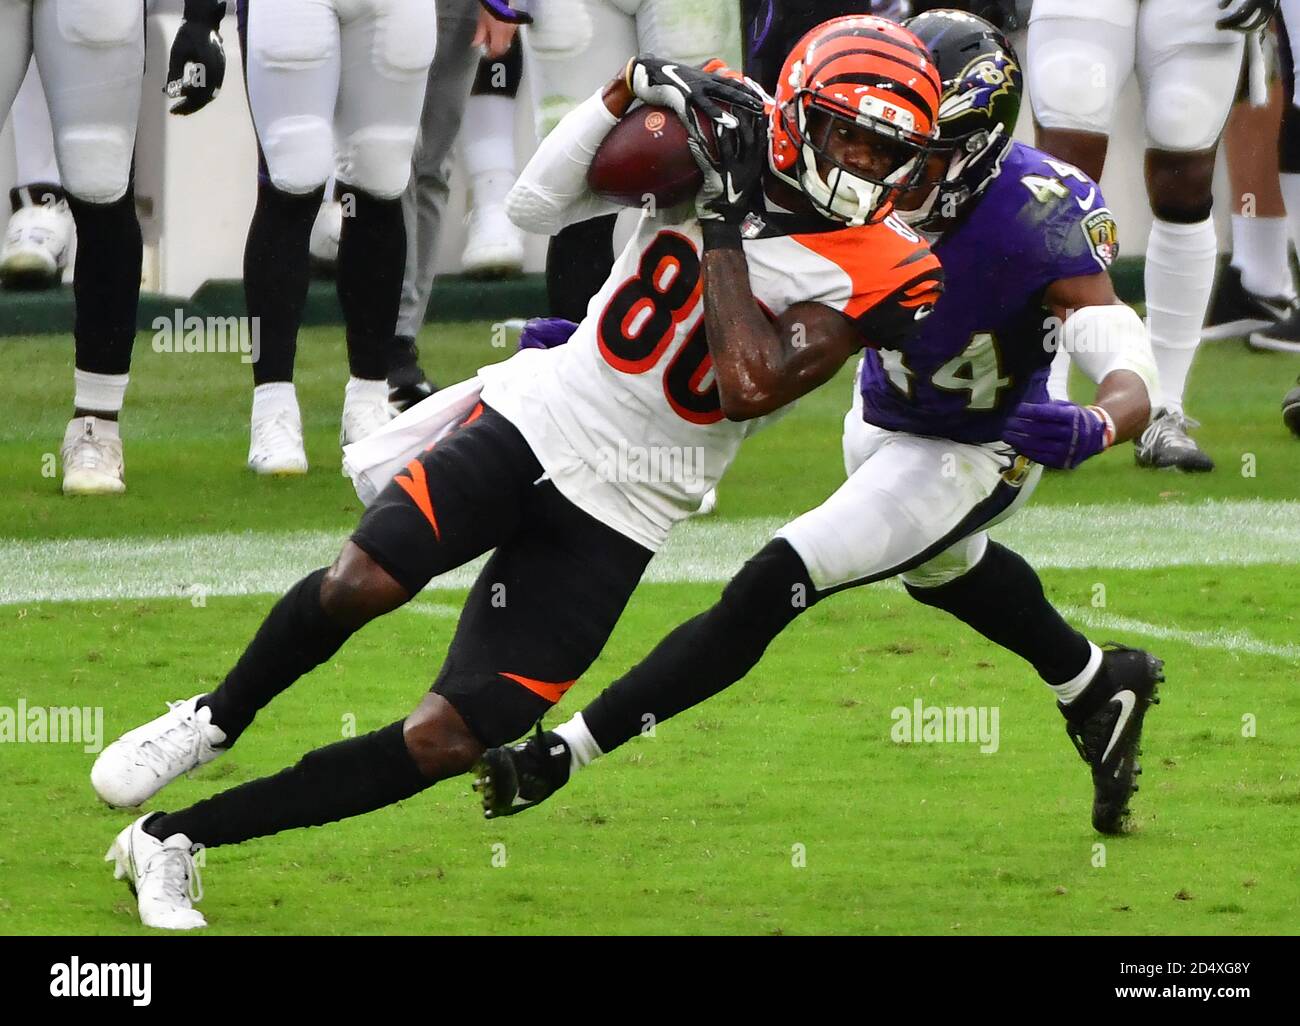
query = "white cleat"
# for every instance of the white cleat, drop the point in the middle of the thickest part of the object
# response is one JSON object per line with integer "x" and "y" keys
{"x": 162, "y": 874}
{"x": 494, "y": 247}
{"x": 143, "y": 761}
{"x": 363, "y": 415}
{"x": 275, "y": 447}
{"x": 36, "y": 244}
{"x": 91, "y": 455}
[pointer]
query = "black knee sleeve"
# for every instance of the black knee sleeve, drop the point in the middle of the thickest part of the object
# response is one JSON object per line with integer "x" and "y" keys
{"x": 277, "y": 271}
{"x": 106, "y": 282}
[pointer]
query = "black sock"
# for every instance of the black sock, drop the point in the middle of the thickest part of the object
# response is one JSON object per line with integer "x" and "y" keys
{"x": 1002, "y": 598}
{"x": 404, "y": 361}
{"x": 106, "y": 283}
{"x": 372, "y": 262}
{"x": 578, "y": 261}
{"x": 344, "y": 779}
{"x": 295, "y": 638}
{"x": 277, "y": 271}
{"x": 708, "y": 653}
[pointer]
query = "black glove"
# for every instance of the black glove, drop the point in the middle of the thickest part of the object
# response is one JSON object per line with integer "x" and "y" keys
{"x": 688, "y": 90}
{"x": 198, "y": 60}
{"x": 732, "y": 178}
{"x": 1246, "y": 15}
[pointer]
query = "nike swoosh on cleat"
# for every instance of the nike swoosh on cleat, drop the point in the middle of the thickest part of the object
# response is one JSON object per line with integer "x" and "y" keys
{"x": 1127, "y": 701}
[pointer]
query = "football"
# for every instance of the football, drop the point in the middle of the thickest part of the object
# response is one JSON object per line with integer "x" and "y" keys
{"x": 646, "y": 157}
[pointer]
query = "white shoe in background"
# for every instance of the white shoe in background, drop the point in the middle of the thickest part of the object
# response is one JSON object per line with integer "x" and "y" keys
{"x": 36, "y": 245}
{"x": 494, "y": 247}
{"x": 365, "y": 409}
{"x": 91, "y": 455}
{"x": 275, "y": 447}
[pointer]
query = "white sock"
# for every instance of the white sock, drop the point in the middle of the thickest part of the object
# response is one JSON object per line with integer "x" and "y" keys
{"x": 582, "y": 746}
{"x": 271, "y": 398}
{"x": 1259, "y": 253}
{"x": 1073, "y": 688}
{"x": 1179, "y": 276}
{"x": 365, "y": 390}
{"x": 1058, "y": 379}
{"x": 489, "y": 143}
{"x": 99, "y": 393}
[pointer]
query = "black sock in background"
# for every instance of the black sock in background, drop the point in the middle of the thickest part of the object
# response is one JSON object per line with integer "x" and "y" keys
{"x": 372, "y": 262}
{"x": 277, "y": 271}
{"x": 577, "y": 264}
{"x": 1002, "y": 598}
{"x": 106, "y": 283}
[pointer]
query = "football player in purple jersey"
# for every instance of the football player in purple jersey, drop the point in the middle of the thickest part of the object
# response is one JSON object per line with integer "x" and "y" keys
{"x": 947, "y": 436}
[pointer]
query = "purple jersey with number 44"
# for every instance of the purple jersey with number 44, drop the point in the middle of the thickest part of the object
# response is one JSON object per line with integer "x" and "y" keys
{"x": 988, "y": 342}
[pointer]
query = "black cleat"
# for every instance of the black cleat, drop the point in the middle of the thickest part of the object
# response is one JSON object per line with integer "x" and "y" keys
{"x": 1237, "y": 311}
{"x": 407, "y": 382}
{"x": 1107, "y": 730}
{"x": 516, "y": 777}
{"x": 1291, "y": 409}
{"x": 1166, "y": 443}
{"x": 1282, "y": 337}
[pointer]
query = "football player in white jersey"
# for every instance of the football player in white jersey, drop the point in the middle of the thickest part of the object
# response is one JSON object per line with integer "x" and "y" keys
{"x": 717, "y": 314}
{"x": 1187, "y": 55}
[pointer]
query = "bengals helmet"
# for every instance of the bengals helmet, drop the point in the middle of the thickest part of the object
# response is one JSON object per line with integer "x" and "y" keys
{"x": 860, "y": 71}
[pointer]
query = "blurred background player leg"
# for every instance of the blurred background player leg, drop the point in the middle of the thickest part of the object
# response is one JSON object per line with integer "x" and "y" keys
{"x": 311, "y": 78}
{"x": 494, "y": 247}
{"x": 1188, "y": 71}
{"x": 40, "y": 232}
{"x": 1285, "y": 335}
{"x": 291, "y": 67}
{"x": 424, "y": 203}
{"x": 91, "y": 59}
{"x": 387, "y": 57}
{"x": 1076, "y": 68}
{"x": 1255, "y": 289}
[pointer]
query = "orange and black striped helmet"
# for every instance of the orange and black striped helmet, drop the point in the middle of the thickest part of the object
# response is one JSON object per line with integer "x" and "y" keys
{"x": 858, "y": 71}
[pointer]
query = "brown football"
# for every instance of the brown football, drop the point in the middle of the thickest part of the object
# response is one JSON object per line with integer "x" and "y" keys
{"x": 646, "y": 155}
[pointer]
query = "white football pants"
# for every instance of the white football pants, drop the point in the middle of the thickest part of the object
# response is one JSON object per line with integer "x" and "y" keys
{"x": 339, "y": 80}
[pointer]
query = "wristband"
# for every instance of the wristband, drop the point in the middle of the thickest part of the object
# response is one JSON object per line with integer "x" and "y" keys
{"x": 1108, "y": 426}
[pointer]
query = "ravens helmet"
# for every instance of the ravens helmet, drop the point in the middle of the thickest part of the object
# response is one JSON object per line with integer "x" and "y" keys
{"x": 982, "y": 89}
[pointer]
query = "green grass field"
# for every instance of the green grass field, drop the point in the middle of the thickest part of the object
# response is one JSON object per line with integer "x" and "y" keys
{"x": 783, "y": 806}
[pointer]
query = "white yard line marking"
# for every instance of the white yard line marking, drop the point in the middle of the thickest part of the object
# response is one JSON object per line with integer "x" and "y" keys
{"x": 1226, "y": 640}
{"x": 1215, "y": 533}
